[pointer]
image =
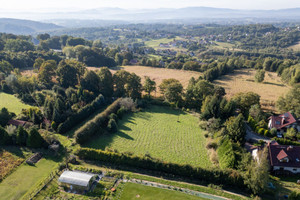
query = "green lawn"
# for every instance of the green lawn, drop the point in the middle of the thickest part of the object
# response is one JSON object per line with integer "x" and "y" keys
{"x": 12, "y": 103}
{"x": 157, "y": 132}
{"x": 24, "y": 179}
{"x": 136, "y": 191}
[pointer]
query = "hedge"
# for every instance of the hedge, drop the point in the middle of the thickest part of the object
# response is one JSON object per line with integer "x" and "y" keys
{"x": 97, "y": 124}
{"x": 227, "y": 177}
{"x": 81, "y": 115}
{"x": 286, "y": 141}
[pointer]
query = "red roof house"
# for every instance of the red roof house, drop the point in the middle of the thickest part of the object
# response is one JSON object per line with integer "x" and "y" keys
{"x": 282, "y": 122}
{"x": 284, "y": 158}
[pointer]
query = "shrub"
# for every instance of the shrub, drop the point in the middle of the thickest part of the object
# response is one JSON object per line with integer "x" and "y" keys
{"x": 267, "y": 133}
{"x": 121, "y": 112}
{"x": 261, "y": 131}
{"x": 112, "y": 126}
{"x": 273, "y": 132}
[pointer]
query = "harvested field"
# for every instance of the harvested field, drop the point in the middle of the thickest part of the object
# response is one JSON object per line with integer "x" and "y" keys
{"x": 243, "y": 81}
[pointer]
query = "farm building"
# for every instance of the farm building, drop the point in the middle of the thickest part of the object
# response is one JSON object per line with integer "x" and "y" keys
{"x": 77, "y": 181}
{"x": 284, "y": 159}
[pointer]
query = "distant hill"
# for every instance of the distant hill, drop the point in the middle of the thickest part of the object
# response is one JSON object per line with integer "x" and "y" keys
{"x": 18, "y": 26}
{"x": 113, "y": 16}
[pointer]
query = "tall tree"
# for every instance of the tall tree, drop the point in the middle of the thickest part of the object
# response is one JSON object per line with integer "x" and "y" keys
{"x": 106, "y": 86}
{"x": 235, "y": 129}
{"x": 47, "y": 71}
{"x": 149, "y": 85}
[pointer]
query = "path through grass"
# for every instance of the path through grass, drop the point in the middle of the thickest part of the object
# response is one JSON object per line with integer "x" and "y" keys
{"x": 157, "y": 132}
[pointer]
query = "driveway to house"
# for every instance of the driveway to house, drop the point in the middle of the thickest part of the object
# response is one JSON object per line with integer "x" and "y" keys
{"x": 254, "y": 136}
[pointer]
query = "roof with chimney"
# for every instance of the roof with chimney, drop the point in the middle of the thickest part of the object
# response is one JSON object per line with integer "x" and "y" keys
{"x": 279, "y": 152}
{"x": 282, "y": 120}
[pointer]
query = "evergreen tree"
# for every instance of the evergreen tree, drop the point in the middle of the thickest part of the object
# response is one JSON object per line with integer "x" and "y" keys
{"x": 4, "y": 137}
{"x": 21, "y": 136}
{"x": 34, "y": 139}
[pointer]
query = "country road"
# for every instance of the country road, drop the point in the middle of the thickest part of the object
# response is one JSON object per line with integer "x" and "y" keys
{"x": 254, "y": 136}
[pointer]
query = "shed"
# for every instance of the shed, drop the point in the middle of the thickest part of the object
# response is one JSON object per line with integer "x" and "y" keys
{"x": 76, "y": 180}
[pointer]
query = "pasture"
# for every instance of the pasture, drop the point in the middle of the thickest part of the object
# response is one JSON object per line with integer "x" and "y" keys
{"x": 161, "y": 132}
{"x": 136, "y": 191}
{"x": 12, "y": 103}
{"x": 242, "y": 80}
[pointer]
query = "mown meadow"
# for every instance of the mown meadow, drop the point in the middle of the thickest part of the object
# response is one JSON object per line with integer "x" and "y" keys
{"x": 12, "y": 103}
{"x": 160, "y": 132}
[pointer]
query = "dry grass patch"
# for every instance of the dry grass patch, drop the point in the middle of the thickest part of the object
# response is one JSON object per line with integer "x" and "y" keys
{"x": 7, "y": 163}
{"x": 242, "y": 80}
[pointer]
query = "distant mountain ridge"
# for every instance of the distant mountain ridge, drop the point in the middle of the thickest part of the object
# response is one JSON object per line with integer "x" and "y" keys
{"x": 99, "y": 17}
{"x": 19, "y": 26}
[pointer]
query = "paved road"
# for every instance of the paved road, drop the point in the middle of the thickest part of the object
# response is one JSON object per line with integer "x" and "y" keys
{"x": 254, "y": 136}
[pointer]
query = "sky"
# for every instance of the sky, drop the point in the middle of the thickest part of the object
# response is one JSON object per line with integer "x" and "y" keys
{"x": 61, "y": 5}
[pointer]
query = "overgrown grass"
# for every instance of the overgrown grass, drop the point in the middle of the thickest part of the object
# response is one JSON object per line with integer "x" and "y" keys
{"x": 136, "y": 191}
{"x": 25, "y": 178}
{"x": 12, "y": 103}
{"x": 161, "y": 132}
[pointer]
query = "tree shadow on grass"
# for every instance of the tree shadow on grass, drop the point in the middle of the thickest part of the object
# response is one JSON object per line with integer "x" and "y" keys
{"x": 277, "y": 84}
{"x": 103, "y": 141}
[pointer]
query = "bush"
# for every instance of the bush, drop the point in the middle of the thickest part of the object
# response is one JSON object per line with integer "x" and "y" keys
{"x": 267, "y": 133}
{"x": 121, "y": 112}
{"x": 261, "y": 131}
{"x": 112, "y": 126}
{"x": 273, "y": 131}
{"x": 97, "y": 124}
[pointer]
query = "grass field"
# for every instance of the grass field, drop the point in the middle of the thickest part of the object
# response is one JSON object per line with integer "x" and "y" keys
{"x": 243, "y": 81}
{"x": 25, "y": 178}
{"x": 12, "y": 103}
{"x": 136, "y": 191}
{"x": 157, "y": 132}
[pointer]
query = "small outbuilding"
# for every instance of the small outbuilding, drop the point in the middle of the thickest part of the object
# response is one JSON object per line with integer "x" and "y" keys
{"x": 77, "y": 181}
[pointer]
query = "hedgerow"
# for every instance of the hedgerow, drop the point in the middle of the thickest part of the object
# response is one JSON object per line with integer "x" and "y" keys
{"x": 215, "y": 176}
{"x": 97, "y": 124}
